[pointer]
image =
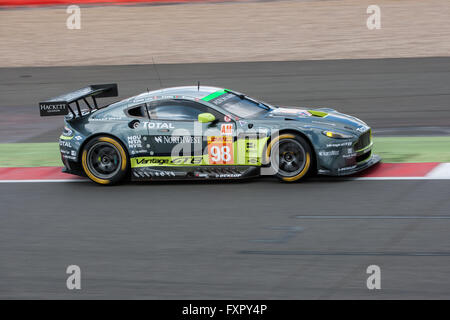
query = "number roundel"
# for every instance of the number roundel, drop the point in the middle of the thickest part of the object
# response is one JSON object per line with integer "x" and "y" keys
{"x": 220, "y": 150}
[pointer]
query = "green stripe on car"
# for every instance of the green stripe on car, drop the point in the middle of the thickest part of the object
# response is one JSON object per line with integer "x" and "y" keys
{"x": 214, "y": 95}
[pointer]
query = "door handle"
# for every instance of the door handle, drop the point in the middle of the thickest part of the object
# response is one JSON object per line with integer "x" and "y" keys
{"x": 163, "y": 130}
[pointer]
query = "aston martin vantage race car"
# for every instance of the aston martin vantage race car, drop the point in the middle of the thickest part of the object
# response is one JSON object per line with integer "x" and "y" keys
{"x": 200, "y": 132}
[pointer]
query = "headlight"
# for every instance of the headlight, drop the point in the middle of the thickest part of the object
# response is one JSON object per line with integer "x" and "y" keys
{"x": 336, "y": 135}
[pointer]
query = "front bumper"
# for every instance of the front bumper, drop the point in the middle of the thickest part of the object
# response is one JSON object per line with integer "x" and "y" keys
{"x": 347, "y": 157}
{"x": 346, "y": 171}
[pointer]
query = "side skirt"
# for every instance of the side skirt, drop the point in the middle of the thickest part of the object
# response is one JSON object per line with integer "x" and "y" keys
{"x": 194, "y": 173}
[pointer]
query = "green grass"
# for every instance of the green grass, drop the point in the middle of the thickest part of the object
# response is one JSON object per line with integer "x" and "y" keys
{"x": 391, "y": 149}
{"x": 29, "y": 154}
{"x": 413, "y": 149}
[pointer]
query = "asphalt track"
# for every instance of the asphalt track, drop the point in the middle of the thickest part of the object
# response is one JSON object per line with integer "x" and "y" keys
{"x": 394, "y": 96}
{"x": 257, "y": 239}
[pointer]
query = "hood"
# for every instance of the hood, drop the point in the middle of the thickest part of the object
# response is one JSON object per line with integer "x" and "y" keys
{"x": 323, "y": 117}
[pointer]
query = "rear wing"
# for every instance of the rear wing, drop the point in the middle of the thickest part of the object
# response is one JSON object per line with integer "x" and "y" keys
{"x": 62, "y": 104}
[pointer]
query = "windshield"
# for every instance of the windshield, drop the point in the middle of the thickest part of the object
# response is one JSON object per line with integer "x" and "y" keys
{"x": 241, "y": 106}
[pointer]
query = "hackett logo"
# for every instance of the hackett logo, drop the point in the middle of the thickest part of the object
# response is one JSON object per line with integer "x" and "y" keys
{"x": 48, "y": 109}
{"x": 52, "y": 107}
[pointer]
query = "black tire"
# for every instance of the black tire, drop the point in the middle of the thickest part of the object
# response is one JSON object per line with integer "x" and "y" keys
{"x": 295, "y": 157}
{"x": 105, "y": 161}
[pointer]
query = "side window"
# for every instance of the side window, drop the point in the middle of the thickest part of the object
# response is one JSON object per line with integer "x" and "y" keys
{"x": 139, "y": 111}
{"x": 178, "y": 110}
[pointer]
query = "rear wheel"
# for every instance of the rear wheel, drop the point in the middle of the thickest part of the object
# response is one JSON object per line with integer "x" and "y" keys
{"x": 291, "y": 156}
{"x": 105, "y": 160}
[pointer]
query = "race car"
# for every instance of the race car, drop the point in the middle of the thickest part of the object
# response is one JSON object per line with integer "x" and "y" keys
{"x": 202, "y": 132}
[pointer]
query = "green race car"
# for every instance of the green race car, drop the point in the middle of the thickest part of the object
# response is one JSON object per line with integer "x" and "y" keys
{"x": 200, "y": 132}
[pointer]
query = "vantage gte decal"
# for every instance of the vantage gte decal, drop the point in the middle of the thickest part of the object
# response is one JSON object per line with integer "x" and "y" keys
{"x": 165, "y": 161}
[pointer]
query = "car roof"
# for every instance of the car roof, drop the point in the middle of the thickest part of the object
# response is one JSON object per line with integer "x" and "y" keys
{"x": 198, "y": 92}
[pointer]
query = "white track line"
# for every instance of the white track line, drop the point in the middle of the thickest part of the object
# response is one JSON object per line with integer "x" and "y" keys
{"x": 394, "y": 178}
{"x": 440, "y": 172}
{"x": 315, "y": 179}
{"x": 47, "y": 180}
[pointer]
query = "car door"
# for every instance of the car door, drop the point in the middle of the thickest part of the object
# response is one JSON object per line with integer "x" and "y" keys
{"x": 175, "y": 132}
{"x": 137, "y": 133}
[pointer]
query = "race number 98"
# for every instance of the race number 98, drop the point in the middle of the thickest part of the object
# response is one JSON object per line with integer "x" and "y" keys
{"x": 220, "y": 150}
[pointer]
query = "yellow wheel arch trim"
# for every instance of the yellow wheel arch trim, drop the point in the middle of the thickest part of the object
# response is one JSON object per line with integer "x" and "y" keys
{"x": 308, "y": 157}
{"x": 122, "y": 153}
{"x": 276, "y": 139}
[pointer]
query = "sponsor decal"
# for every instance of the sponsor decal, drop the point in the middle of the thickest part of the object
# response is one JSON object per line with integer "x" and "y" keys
{"x": 229, "y": 175}
{"x": 222, "y": 98}
{"x": 362, "y": 129}
{"x": 347, "y": 168}
{"x": 158, "y": 125}
{"x": 226, "y": 129}
{"x": 291, "y": 112}
{"x": 329, "y": 153}
{"x": 201, "y": 175}
{"x": 64, "y": 143}
{"x": 106, "y": 119}
{"x": 227, "y": 118}
{"x": 140, "y": 161}
{"x": 220, "y": 150}
{"x": 350, "y": 155}
{"x": 337, "y": 145}
{"x": 162, "y": 173}
{"x": 68, "y": 157}
{"x": 161, "y": 161}
{"x": 53, "y": 109}
{"x": 133, "y": 152}
{"x": 134, "y": 142}
{"x": 177, "y": 139}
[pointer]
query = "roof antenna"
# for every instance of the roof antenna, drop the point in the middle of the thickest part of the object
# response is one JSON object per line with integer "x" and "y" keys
{"x": 159, "y": 78}
{"x": 198, "y": 85}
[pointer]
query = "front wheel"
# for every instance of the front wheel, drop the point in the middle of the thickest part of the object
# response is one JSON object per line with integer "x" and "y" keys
{"x": 105, "y": 160}
{"x": 290, "y": 156}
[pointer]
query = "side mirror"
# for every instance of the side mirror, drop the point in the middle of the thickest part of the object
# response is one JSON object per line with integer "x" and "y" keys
{"x": 206, "y": 117}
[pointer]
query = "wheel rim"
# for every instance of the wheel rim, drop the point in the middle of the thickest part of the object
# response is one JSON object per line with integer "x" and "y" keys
{"x": 291, "y": 157}
{"x": 103, "y": 160}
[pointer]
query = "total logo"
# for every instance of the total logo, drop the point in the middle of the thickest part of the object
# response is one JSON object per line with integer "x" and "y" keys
{"x": 66, "y": 144}
{"x": 158, "y": 125}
